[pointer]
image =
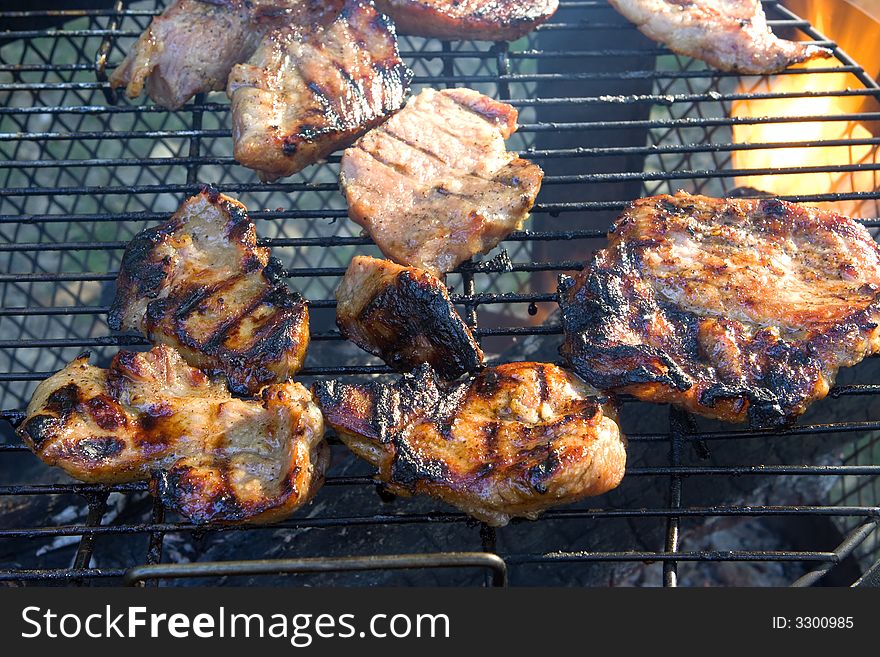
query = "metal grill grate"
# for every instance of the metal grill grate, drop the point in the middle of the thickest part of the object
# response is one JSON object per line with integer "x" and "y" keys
{"x": 610, "y": 116}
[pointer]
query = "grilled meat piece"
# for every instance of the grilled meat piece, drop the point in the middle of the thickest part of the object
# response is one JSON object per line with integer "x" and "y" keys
{"x": 404, "y": 316}
{"x": 732, "y": 309}
{"x": 189, "y": 49}
{"x": 731, "y": 35}
{"x": 311, "y": 89}
{"x": 201, "y": 284}
{"x": 501, "y": 20}
{"x": 434, "y": 185}
{"x": 512, "y": 442}
{"x": 150, "y": 416}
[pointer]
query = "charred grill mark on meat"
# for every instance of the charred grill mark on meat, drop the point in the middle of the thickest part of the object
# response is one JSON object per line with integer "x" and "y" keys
{"x": 435, "y": 185}
{"x": 201, "y": 284}
{"x": 498, "y": 20}
{"x": 732, "y": 309}
{"x": 151, "y": 417}
{"x": 515, "y": 440}
{"x": 731, "y": 35}
{"x": 312, "y": 87}
{"x": 404, "y": 316}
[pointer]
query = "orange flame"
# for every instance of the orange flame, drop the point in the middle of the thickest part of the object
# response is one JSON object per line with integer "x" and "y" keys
{"x": 828, "y": 156}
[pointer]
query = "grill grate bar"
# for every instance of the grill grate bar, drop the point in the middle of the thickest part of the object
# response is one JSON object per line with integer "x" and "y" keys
{"x": 484, "y": 267}
{"x": 490, "y": 562}
{"x": 59, "y": 575}
{"x": 582, "y": 206}
{"x": 531, "y": 154}
{"x": 129, "y": 11}
{"x": 578, "y": 179}
{"x": 477, "y": 299}
{"x": 86, "y": 547}
{"x": 720, "y": 555}
{"x": 413, "y": 55}
{"x": 484, "y": 79}
{"x": 310, "y": 272}
{"x": 666, "y": 100}
{"x": 572, "y": 126}
{"x": 696, "y": 512}
{"x": 851, "y": 541}
{"x": 678, "y": 427}
{"x": 136, "y": 340}
{"x": 99, "y": 32}
{"x": 514, "y": 559}
{"x": 16, "y": 416}
{"x": 329, "y": 522}
{"x": 157, "y": 538}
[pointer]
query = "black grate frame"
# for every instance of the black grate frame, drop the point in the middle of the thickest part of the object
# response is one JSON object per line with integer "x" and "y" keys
{"x": 610, "y": 116}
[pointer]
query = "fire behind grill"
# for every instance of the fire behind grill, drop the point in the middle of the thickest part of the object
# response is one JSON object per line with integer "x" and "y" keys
{"x": 610, "y": 116}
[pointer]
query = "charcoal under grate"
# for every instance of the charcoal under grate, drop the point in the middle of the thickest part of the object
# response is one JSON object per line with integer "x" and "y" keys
{"x": 610, "y": 116}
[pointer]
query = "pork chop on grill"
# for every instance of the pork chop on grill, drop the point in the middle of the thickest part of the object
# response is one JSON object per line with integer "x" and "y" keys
{"x": 730, "y": 308}
{"x": 405, "y": 316}
{"x": 512, "y": 442}
{"x": 151, "y": 417}
{"x": 313, "y": 88}
{"x": 191, "y": 48}
{"x": 434, "y": 185}
{"x": 731, "y": 35}
{"x": 500, "y": 20}
{"x": 201, "y": 284}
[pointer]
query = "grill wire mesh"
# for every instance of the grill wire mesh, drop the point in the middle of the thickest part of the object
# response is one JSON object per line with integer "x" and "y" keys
{"x": 610, "y": 116}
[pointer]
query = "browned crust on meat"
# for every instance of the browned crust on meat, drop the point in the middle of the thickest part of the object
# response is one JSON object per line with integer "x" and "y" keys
{"x": 404, "y": 316}
{"x": 434, "y": 185}
{"x": 498, "y": 20}
{"x": 732, "y": 309}
{"x": 251, "y": 327}
{"x": 311, "y": 90}
{"x": 151, "y": 417}
{"x": 512, "y": 442}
